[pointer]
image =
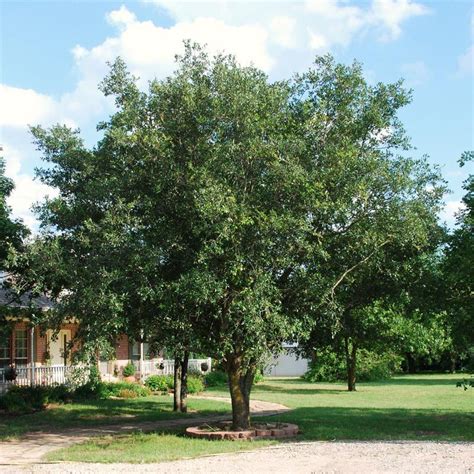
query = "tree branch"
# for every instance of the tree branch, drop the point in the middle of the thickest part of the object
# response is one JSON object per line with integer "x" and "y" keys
{"x": 358, "y": 264}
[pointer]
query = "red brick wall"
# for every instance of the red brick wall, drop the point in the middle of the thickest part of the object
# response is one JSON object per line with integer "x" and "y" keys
{"x": 121, "y": 348}
{"x": 41, "y": 343}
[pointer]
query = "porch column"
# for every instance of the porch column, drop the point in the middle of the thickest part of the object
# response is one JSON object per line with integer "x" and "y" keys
{"x": 32, "y": 355}
{"x": 140, "y": 366}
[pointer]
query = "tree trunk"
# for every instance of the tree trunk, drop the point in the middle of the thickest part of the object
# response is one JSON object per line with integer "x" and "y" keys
{"x": 184, "y": 383}
{"x": 240, "y": 384}
{"x": 411, "y": 363}
{"x": 351, "y": 360}
{"x": 453, "y": 363}
{"x": 177, "y": 384}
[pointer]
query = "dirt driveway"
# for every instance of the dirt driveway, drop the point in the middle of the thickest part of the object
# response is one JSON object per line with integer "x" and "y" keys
{"x": 313, "y": 457}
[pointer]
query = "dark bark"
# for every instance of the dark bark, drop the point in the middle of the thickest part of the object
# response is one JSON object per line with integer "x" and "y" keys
{"x": 184, "y": 383}
{"x": 177, "y": 384}
{"x": 351, "y": 363}
{"x": 240, "y": 385}
{"x": 411, "y": 363}
{"x": 453, "y": 363}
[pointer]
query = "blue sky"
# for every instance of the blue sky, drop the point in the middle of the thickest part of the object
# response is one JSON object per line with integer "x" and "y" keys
{"x": 53, "y": 54}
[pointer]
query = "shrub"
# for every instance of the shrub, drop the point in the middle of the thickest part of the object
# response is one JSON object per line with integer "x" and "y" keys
{"x": 127, "y": 393}
{"x": 91, "y": 389}
{"x": 195, "y": 373}
{"x": 112, "y": 389}
{"x": 331, "y": 367}
{"x": 258, "y": 377}
{"x": 195, "y": 384}
{"x": 216, "y": 378}
{"x": 14, "y": 405}
{"x": 159, "y": 383}
{"x": 20, "y": 400}
{"x": 328, "y": 367}
{"x": 128, "y": 370}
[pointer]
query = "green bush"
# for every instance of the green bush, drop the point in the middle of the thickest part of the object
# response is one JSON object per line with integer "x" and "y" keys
{"x": 20, "y": 400}
{"x": 216, "y": 378}
{"x": 114, "y": 389}
{"x": 195, "y": 373}
{"x": 163, "y": 383}
{"x": 258, "y": 377}
{"x": 331, "y": 367}
{"x": 195, "y": 384}
{"x": 129, "y": 370}
{"x": 127, "y": 393}
{"x": 159, "y": 383}
{"x": 104, "y": 390}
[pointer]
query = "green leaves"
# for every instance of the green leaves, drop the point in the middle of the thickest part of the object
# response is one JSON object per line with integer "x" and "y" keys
{"x": 220, "y": 212}
{"x": 12, "y": 231}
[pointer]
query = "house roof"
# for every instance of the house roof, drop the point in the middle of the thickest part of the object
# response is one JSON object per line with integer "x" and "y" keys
{"x": 27, "y": 301}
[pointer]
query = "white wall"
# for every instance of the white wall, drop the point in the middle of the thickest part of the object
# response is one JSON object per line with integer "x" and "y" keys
{"x": 286, "y": 364}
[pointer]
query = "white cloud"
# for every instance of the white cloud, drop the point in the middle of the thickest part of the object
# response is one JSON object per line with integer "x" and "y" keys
{"x": 27, "y": 190}
{"x": 283, "y": 31}
{"x": 415, "y": 73}
{"x": 20, "y": 107}
{"x": 328, "y": 22}
{"x": 317, "y": 42}
{"x": 450, "y": 211}
{"x": 121, "y": 17}
{"x": 390, "y": 14}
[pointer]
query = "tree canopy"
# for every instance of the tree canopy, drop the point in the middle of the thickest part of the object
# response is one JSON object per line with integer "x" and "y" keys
{"x": 221, "y": 210}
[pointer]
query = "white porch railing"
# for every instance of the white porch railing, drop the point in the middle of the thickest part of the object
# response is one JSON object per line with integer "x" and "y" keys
{"x": 47, "y": 375}
{"x": 153, "y": 367}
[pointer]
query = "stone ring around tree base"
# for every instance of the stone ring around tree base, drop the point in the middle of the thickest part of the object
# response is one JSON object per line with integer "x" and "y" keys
{"x": 258, "y": 430}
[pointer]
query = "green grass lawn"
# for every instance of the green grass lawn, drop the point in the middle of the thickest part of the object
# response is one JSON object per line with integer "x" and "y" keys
{"x": 103, "y": 412}
{"x": 404, "y": 408}
{"x": 424, "y": 407}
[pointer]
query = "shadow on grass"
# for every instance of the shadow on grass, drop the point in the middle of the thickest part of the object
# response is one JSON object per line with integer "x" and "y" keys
{"x": 89, "y": 413}
{"x": 341, "y": 423}
{"x": 417, "y": 380}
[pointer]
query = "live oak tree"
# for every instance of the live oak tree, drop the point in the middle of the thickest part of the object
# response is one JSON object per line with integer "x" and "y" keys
{"x": 376, "y": 208}
{"x": 187, "y": 198}
{"x": 220, "y": 209}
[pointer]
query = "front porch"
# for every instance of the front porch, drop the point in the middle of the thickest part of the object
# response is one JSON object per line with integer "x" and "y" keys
{"x": 50, "y": 375}
{"x": 38, "y": 376}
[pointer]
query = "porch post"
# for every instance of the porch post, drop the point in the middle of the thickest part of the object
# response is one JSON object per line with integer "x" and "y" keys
{"x": 140, "y": 366}
{"x": 32, "y": 354}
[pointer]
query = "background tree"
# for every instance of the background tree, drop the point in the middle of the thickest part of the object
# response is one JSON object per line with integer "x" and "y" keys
{"x": 375, "y": 209}
{"x": 12, "y": 231}
{"x": 458, "y": 270}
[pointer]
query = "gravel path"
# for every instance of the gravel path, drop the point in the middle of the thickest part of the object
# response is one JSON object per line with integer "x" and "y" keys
{"x": 313, "y": 457}
{"x": 30, "y": 448}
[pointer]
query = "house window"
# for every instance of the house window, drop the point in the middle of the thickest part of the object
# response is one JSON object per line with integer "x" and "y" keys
{"x": 21, "y": 347}
{"x": 135, "y": 351}
{"x": 4, "y": 350}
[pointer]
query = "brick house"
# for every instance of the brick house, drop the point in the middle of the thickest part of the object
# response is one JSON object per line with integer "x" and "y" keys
{"x": 42, "y": 356}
